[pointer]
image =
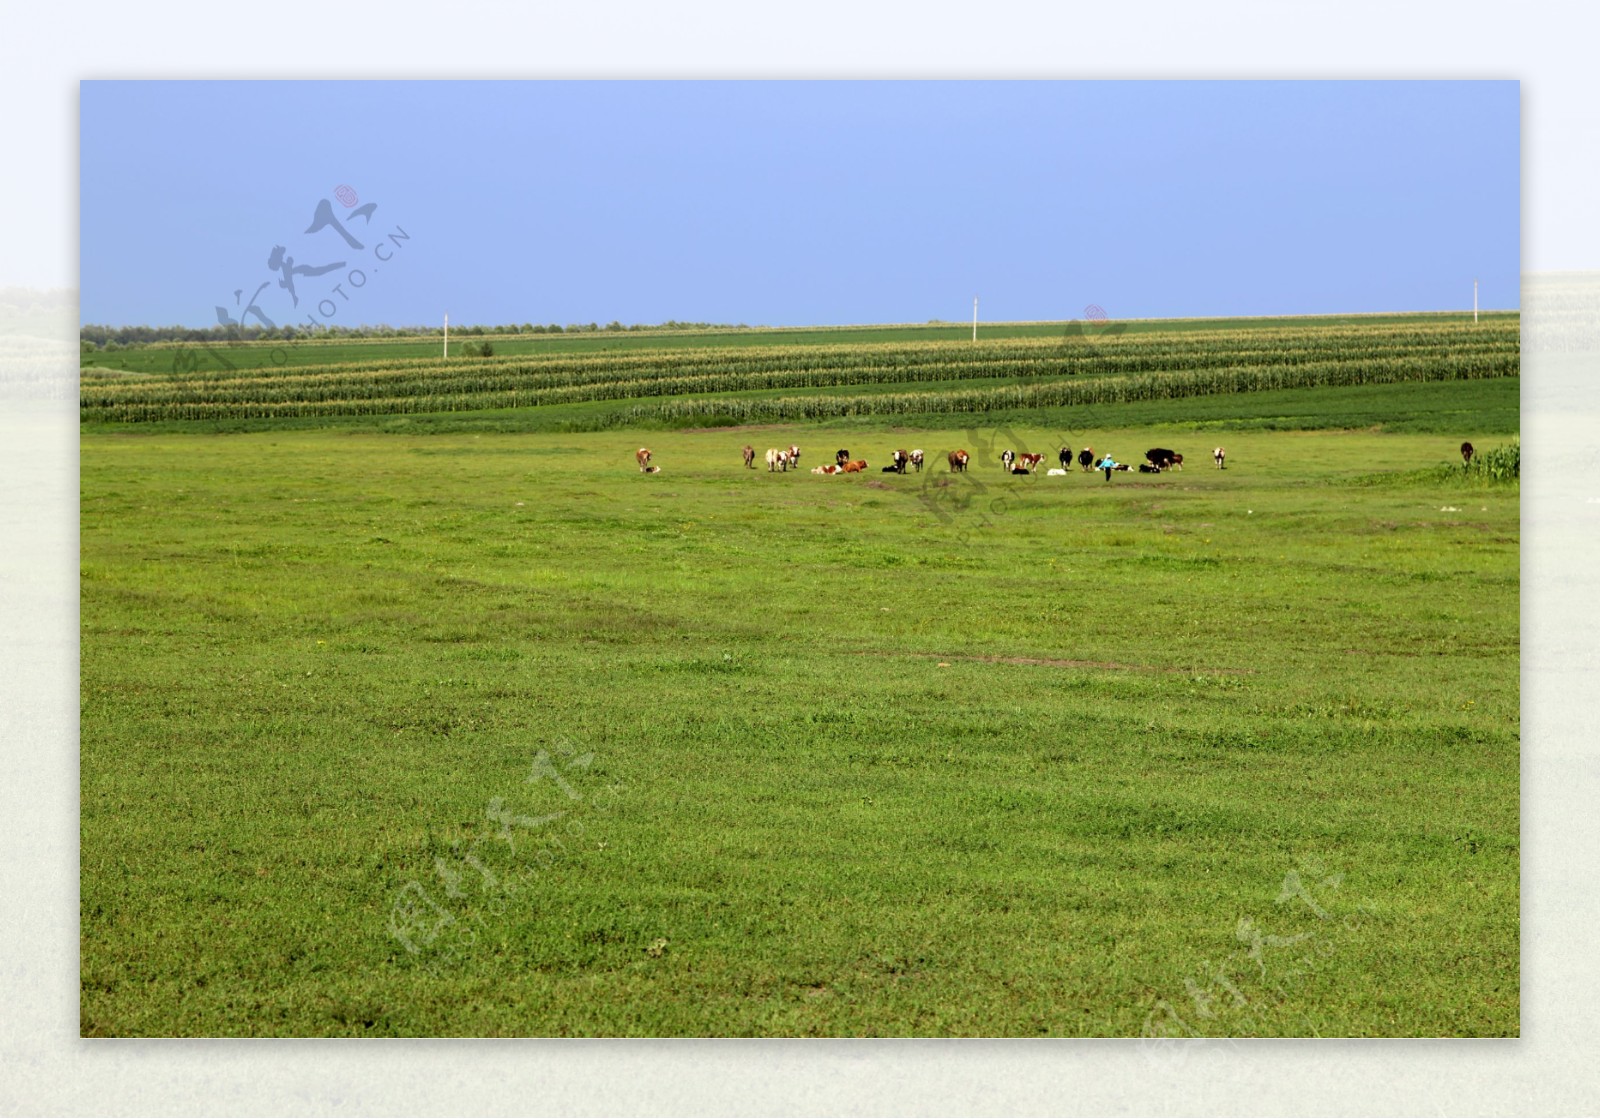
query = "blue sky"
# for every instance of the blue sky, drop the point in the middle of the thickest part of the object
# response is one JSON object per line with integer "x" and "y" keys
{"x": 792, "y": 203}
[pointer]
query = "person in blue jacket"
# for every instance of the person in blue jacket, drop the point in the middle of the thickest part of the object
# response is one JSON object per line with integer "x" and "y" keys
{"x": 1108, "y": 464}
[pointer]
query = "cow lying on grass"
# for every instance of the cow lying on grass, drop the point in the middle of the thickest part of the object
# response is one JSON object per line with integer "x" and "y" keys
{"x": 855, "y": 467}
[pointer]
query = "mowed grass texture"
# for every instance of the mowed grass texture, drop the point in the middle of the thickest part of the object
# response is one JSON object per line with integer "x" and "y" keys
{"x": 491, "y": 734}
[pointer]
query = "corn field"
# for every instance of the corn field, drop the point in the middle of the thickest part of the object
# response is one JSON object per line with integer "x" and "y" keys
{"x": 718, "y": 383}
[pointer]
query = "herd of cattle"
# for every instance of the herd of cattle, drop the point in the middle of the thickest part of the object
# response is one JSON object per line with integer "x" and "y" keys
{"x": 1157, "y": 459}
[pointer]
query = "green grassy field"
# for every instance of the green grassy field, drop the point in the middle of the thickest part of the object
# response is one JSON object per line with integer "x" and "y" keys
{"x": 460, "y": 725}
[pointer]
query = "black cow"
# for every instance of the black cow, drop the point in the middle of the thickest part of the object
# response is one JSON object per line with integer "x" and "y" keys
{"x": 1066, "y": 458}
{"x": 1161, "y": 457}
{"x": 841, "y": 457}
{"x": 1086, "y": 458}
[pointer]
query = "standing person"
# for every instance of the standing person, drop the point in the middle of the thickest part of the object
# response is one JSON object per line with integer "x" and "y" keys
{"x": 1108, "y": 464}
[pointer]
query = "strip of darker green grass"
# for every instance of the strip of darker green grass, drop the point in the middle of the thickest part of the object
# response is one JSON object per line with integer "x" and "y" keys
{"x": 1490, "y": 405}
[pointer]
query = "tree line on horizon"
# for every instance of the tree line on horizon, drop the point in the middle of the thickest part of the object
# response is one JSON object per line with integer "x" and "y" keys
{"x": 95, "y": 336}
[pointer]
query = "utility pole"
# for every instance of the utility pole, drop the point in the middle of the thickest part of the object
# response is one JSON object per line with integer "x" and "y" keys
{"x": 447, "y": 335}
{"x": 974, "y": 318}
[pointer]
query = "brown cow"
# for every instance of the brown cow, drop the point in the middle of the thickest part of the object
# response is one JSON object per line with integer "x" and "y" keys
{"x": 642, "y": 456}
{"x": 749, "y": 457}
{"x": 958, "y": 461}
{"x": 1029, "y": 462}
{"x": 855, "y": 467}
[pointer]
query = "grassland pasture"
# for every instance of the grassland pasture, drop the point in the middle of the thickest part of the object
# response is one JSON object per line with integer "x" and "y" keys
{"x": 454, "y": 723}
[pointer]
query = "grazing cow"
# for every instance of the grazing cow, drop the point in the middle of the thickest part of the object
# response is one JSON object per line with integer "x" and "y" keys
{"x": 749, "y": 457}
{"x": 916, "y": 459}
{"x": 777, "y": 460}
{"x": 1466, "y": 454}
{"x": 1177, "y": 461}
{"x": 1086, "y": 459}
{"x": 897, "y": 461}
{"x": 1008, "y": 456}
{"x": 1056, "y": 470}
{"x": 841, "y": 457}
{"x": 1219, "y": 454}
{"x": 1065, "y": 457}
{"x": 794, "y": 456}
{"x": 642, "y": 457}
{"x": 855, "y": 467}
{"x": 1161, "y": 457}
{"x": 1030, "y": 461}
{"x": 958, "y": 462}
